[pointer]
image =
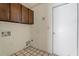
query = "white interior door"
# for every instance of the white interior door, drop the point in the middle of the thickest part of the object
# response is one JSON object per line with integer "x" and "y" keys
{"x": 65, "y": 29}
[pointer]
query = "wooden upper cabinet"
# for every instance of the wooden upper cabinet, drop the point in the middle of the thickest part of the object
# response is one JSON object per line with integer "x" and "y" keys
{"x": 31, "y": 17}
{"x": 4, "y": 11}
{"x": 25, "y": 14}
{"x": 15, "y": 12}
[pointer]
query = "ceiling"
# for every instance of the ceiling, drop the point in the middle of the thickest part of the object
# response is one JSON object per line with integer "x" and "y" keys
{"x": 30, "y": 5}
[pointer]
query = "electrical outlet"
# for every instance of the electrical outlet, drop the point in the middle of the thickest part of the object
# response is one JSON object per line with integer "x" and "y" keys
{"x": 6, "y": 33}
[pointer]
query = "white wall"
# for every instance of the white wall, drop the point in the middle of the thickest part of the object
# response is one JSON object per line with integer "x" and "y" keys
{"x": 20, "y": 33}
{"x": 41, "y": 30}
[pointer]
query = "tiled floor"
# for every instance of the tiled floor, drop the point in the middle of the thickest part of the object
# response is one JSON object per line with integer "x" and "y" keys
{"x": 30, "y": 51}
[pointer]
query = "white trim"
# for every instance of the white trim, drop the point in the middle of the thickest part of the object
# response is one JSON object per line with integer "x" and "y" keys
{"x": 60, "y": 5}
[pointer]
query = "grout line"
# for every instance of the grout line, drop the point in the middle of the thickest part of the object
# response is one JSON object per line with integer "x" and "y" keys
{"x": 31, "y": 52}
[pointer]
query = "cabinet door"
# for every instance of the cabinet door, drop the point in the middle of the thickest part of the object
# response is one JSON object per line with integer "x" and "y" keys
{"x": 4, "y": 11}
{"x": 25, "y": 15}
{"x": 15, "y": 12}
{"x": 31, "y": 16}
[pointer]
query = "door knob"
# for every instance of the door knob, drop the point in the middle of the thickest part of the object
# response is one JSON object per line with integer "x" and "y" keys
{"x": 53, "y": 33}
